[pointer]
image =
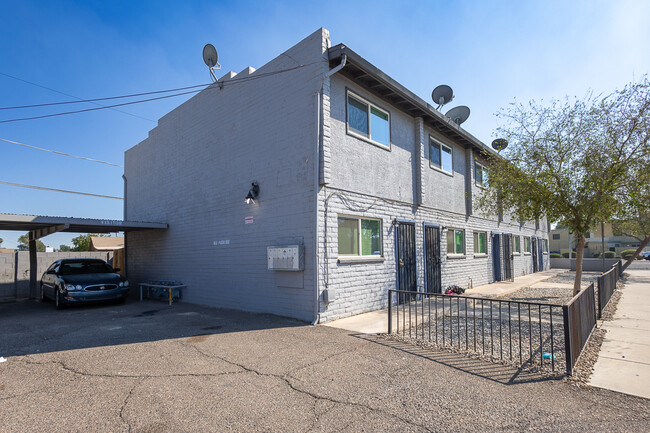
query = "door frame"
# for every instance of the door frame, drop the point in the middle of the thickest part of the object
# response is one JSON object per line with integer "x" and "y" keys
{"x": 396, "y": 223}
{"x": 424, "y": 249}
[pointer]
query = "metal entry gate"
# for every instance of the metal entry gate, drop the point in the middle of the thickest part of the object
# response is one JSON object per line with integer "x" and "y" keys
{"x": 496, "y": 257}
{"x": 508, "y": 258}
{"x": 406, "y": 261}
{"x": 432, "y": 258}
{"x": 535, "y": 252}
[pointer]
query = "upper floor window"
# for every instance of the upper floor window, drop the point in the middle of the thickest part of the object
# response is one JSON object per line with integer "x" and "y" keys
{"x": 368, "y": 120}
{"x": 441, "y": 156}
{"x": 456, "y": 241}
{"x": 481, "y": 175}
{"x": 359, "y": 236}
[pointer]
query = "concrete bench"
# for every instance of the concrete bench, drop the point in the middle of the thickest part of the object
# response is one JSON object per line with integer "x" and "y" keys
{"x": 166, "y": 285}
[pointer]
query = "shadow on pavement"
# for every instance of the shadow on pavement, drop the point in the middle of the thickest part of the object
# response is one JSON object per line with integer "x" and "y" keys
{"x": 503, "y": 374}
{"x": 31, "y": 327}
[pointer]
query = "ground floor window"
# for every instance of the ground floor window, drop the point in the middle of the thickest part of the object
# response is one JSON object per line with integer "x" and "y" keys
{"x": 527, "y": 245}
{"x": 517, "y": 244}
{"x": 456, "y": 241}
{"x": 480, "y": 243}
{"x": 545, "y": 243}
{"x": 359, "y": 236}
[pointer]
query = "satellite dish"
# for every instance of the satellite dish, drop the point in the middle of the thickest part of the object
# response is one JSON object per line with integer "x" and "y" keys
{"x": 499, "y": 144}
{"x": 211, "y": 57}
{"x": 458, "y": 114}
{"x": 442, "y": 94}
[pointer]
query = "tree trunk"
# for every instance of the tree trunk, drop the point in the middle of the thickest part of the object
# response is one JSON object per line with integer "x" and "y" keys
{"x": 580, "y": 252}
{"x": 636, "y": 253}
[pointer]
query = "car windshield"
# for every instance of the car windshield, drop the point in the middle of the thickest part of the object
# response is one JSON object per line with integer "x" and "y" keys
{"x": 75, "y": 268}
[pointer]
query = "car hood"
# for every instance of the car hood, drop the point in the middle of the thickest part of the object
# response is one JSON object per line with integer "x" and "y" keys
{"x": 93, "y": 278}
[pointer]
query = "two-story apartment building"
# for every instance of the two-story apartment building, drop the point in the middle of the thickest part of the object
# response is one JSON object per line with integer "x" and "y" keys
{"x": 376, "y": 187}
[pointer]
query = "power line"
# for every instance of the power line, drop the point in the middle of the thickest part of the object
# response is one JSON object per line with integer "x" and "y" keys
{"x": 98, "y": 108}
{"x": 219, "y": 85}
{"x": 61, "y": 153}
{"x": 61, "y": 190}
{"x": 72, "y": 96}
{"x": 80, "y": 101}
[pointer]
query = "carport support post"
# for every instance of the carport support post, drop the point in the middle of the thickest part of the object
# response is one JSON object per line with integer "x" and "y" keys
{"x": 33, "y": 266}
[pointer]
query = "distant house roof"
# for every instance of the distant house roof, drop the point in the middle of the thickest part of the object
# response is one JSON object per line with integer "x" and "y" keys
{"x": 6, "y": 250}
{"x": 101, "y": 243}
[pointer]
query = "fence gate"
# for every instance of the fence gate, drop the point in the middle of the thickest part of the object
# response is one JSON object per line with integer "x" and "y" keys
{"x": 507, "y": 257}
{"x": 496, "y": 256}
{"x": 406, "y": 262}
{"x": 432, "y": 254}
{"x": 535, "y": 252}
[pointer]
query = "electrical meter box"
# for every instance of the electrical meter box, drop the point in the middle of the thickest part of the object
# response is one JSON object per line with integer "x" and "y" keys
{"x": 286, "y": 257}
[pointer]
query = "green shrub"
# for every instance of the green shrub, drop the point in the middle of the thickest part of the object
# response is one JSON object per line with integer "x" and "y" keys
{"x": 608, "y": 255}
{"x": 566, "y": 255}
{"x": 556, "y": 256}
{"x": 627, "y": 254}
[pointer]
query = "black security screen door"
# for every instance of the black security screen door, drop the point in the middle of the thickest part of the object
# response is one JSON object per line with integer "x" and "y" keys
{"x": 534, "y": 251}
{"x": 406, "y": 264}
{"x": 507, "y": 256}
{"x": 496, "y": 257}
{"x": 432, "y": 251}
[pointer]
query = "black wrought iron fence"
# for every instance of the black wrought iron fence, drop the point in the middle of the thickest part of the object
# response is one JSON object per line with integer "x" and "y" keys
{"x": 606, "y": 287}
{"x": 523, "y": 333}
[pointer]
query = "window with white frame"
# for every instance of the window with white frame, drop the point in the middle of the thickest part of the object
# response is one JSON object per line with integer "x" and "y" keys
{"x": 359, "y": 236}
{"x": 481, "y": 175}
{"x": 480, "y": 243}
{"x": 455, "y": 242}
{"x": 441, "y": 156}
{"x": 526, "y": 245}
{"x": 368, "y": 120}
{"x": 516, "y": 244}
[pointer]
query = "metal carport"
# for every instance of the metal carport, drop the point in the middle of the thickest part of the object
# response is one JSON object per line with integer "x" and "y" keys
{"x": 40, "y": 226}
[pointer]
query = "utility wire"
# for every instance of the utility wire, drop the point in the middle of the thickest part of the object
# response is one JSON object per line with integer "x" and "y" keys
{"x": 219, "y": 85}
{"x": 98, "y": 108}
{"x": 80, "y": 101}
{"x": 72, "y": 96}
{"x": 60, "y": 190}
{"x": 61, "y": 153}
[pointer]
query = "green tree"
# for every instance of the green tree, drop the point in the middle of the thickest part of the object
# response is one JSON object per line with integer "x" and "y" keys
{"x": 569, "y": 161}
{"x": 633, "y": 219}
{"x": 65, "y": 248}
{"x": 23, "y": 244}
{"x": 1, "y": 241}
{"x": 82, "y": 242}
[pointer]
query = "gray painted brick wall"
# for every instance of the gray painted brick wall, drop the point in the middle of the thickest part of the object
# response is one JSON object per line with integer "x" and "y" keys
{"x": 197, "y": 166}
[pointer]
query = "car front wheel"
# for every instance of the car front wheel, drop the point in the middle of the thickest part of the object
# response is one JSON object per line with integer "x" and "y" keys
{"x": 58, "y": 301}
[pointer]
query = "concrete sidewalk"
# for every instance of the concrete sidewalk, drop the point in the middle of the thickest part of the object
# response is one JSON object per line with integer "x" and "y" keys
{"x": 623, "y": 363}
{"x": 376, "y": 322}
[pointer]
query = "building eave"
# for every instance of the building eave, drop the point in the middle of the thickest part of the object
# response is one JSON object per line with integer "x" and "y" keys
{"x": 376, "y": 81}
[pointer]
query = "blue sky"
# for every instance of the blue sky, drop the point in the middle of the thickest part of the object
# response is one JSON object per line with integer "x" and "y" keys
{"x": 490, "y": 52}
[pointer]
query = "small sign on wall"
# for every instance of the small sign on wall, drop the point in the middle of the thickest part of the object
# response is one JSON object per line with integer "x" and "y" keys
{"x": 248, "y": 220}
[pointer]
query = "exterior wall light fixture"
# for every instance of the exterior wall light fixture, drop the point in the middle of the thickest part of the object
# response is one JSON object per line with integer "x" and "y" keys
{"x": 252, "y": 193}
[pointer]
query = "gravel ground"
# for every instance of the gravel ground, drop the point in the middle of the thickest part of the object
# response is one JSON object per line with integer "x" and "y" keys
{"x": 477, "y": 330}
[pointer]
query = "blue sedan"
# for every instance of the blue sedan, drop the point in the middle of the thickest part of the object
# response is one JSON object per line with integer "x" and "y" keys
{"x": 72, "y": 281}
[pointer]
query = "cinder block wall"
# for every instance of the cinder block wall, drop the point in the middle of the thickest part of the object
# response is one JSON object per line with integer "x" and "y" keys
{"x": 196, "y": 167}
{"x": 14, "y": 270}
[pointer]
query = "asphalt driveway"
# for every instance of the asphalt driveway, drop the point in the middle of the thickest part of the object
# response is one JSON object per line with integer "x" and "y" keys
{"x": 145, "y": 367}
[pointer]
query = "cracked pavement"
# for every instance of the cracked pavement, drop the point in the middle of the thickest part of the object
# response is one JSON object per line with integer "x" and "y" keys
{"x": 145, "y": 367}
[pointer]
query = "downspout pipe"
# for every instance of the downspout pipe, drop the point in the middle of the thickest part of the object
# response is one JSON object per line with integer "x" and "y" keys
{"x": 344, "y": 59}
